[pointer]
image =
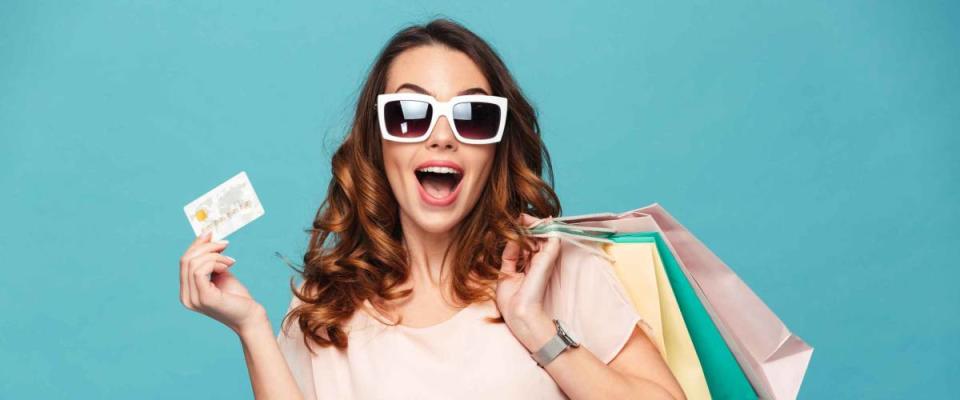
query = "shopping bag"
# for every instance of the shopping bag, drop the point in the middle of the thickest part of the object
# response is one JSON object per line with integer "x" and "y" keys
{"x": 772, "y": 356}
{"x": 724, "y": 377}
{"x": 773, "y": 359}
{"x": 639, "y": 253}
{"x": 636, "y": 262}
{"x": 634, "y": 266}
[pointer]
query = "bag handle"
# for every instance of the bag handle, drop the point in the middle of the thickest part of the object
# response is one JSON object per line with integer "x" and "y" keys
{"x": 580, "y": 236}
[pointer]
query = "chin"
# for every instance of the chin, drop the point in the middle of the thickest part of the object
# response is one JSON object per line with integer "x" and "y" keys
{"x": 436, "y": 223}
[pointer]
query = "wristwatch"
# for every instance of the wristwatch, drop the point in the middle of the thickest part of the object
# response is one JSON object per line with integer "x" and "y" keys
{"x": 563, "y": 340}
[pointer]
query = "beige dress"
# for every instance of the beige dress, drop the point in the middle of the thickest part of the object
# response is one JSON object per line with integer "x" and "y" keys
{"x": 465, "y": 357}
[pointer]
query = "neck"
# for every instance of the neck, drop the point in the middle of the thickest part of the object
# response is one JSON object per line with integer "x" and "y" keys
{"x": 425, "y": 253}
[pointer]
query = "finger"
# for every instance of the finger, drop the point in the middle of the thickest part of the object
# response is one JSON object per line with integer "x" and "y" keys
{"x": 542, "y": 266}
{"x": 184, "y": 295}
{"x": 536, "y": 243}
{"x": 207, "y": 292}
{"x": 200, "y": 263}
{"x": 529, "y": 249}
{"x": 223, "y": 278}
{"x": 531, "y": 245}
{"x": 527, "y": 220}
{"x": 202, "y": 238}
{"x": 511, "y": 254}
{"x": 190, "y": 288}
{"x": 227, "y": 282}
{"x": 214, "y": 246}
{"x": 186, "y": 284}
{"x": 200, "y": 245}
{"x": 201, "y": 274}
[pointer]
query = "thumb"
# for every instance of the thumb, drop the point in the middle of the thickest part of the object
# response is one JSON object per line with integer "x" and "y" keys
{"x": 511, "y": 253}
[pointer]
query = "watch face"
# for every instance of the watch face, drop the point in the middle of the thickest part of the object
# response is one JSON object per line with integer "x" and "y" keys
{"x": 572, "y": 338}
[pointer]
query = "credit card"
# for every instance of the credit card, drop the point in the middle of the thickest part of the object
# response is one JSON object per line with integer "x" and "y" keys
{"x": 225, "y": 208}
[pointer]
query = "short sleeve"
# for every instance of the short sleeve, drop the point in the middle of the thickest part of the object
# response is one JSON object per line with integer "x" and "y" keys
{"x": 296, "y": 353}
{"x": 587, "y": 296}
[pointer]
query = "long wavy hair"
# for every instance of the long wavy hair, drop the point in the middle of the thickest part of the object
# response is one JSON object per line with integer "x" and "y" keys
{"x": 364, "y": 259}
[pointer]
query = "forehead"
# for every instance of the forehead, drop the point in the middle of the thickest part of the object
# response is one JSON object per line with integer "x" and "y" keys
{"x": 441, "y": 71}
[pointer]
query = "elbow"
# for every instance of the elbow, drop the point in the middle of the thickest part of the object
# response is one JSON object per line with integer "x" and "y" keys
{"x": 648, "y": 389}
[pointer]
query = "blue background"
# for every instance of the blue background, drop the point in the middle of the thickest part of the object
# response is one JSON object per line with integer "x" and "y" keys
{"x": 813, "y": 146}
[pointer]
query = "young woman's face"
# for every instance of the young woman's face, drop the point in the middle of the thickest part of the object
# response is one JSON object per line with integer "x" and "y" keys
{"x": 429, "y": 201}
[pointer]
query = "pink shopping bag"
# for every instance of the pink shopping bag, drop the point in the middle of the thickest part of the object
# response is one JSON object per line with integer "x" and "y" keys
{"x": 773, "y": 358}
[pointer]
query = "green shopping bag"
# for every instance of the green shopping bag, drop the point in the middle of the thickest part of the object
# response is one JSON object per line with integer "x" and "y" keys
{"x": 724, "y": 376}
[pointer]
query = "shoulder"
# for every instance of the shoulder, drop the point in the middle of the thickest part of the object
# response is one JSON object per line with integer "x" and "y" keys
{"x": 290, "y": 323}
{"x": 584, "y": 275}
{"x": 586, "y": 294}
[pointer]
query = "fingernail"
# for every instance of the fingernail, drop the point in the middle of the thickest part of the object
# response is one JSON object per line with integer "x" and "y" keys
{"x": 230, "y": 258}
{"x": 221, "y": 241}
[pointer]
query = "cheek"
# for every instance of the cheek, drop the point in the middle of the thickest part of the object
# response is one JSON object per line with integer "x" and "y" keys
{"x": 483, "y": 162}
{"x": 389, "y": 151}
{"x": 395, "y": 164}
{"x": 390, "y": 164}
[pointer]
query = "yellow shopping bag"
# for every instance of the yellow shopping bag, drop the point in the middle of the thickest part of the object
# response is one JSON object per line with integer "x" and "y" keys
{"x": 637, "y": 265}
{"x": 640, "y": 269}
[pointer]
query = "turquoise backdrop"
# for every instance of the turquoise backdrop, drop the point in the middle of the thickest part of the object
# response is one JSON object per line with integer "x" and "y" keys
{"x": 813, "y": 145}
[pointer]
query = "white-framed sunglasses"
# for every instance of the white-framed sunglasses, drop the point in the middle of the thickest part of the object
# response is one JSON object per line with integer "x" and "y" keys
{"x": 411, "y": 117}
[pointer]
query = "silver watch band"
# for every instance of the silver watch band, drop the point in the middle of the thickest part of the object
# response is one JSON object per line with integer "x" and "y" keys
{"x": 549, "y": 351}
{"x": 554, "y": 347}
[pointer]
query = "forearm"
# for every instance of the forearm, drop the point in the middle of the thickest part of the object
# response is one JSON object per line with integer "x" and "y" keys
{"x": 270, "y": 375}
{"x": 581, "y": 375}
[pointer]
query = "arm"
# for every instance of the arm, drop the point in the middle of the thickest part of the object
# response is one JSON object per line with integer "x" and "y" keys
{"x": 208, "y": 287}
{"x": 638, "y": 370}
{"x": 270, "y": 375}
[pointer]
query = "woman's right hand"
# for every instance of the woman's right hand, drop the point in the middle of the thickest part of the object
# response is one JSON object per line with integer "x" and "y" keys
{"x": 207, "y": 287}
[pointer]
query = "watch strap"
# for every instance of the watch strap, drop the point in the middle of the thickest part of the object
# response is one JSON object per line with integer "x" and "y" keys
{"x": 550, "y": 350}
{"x": 556, "y": 345}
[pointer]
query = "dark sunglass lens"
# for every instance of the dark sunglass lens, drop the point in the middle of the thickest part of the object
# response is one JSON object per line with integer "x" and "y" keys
{"x": 476, "y": 120}
{"x": 407, "y": 118}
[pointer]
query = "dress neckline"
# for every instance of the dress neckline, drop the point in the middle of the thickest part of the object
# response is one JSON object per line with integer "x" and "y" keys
{"x": 462, "y": 313}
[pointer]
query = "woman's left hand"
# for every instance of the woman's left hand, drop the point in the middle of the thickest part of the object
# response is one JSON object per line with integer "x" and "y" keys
{"x": 520, "y": 294}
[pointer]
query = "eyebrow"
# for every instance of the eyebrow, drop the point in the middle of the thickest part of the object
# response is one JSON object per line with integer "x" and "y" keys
{"x": 418, "y": 89}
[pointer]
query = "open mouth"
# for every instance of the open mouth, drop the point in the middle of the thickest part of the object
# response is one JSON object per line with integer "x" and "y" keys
{"x": 439, "y": 182}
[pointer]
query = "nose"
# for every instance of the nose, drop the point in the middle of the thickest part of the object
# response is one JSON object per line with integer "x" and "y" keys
{"x": 442, "y": 136}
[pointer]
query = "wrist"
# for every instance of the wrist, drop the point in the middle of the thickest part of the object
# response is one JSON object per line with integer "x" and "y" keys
{"x": 256, "y": 324}
{"x": 535, "y": 331}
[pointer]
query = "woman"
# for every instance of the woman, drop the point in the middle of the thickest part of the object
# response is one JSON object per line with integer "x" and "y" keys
{"x": 383, "y": 312}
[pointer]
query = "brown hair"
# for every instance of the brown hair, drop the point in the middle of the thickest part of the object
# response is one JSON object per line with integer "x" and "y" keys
{"x": 366, "y": 260}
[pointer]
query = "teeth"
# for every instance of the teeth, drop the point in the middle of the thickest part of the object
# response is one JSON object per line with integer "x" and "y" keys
{"x": 439, "y": 170}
